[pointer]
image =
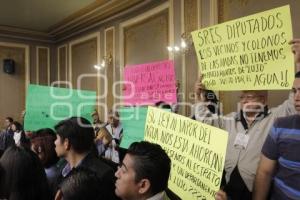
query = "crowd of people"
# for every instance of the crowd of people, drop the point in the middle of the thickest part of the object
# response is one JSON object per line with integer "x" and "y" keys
{"x": 66, "y": 164}
{"x": 81, "y": 160}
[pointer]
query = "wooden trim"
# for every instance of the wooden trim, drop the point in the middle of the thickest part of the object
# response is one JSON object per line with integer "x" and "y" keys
{"x": 183, "y": 61}
{"x": 20, "y": 33}
{"x": 113, "y": 57}
{"x": 58, "y": 61}
{"x": 213, "y": 12}
{"x": 171, "y": 28}
{"x": 221, "y": 10}
{"x": 199, "y": 7}
{"x": 38, "y": 67}
{"x": 48, "y": 66}
{"x": 96, "y": 36}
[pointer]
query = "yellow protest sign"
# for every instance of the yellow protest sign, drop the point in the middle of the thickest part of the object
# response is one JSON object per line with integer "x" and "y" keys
{"x": 197, "y": 152}
{"x": 249, "y": 53}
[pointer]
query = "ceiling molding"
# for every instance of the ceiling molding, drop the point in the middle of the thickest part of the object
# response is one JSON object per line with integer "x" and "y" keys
{"x": 24, "y": 34}
{"x": 99, "y": 21}
{"x": 97, "y": 13}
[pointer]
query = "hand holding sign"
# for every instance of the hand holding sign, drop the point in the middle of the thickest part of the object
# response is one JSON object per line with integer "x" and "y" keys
{"x": 250, "y": 53}
{"x": 197, "y": 152}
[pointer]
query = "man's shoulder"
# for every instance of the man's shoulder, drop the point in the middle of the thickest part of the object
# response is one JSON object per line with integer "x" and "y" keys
{"x": 98, "y": 166}
{"x": 289, "y": 122}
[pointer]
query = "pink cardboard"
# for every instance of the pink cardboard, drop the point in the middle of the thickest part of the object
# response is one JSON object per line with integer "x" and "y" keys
{"x": 147, "y": 84}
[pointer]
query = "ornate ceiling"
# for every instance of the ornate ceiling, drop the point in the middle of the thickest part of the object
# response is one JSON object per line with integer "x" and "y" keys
{"x": 55, "y": 20}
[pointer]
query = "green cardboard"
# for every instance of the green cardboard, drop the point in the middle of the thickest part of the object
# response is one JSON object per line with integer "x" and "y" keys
{"x": 133, "y": 121}
{"x": 46, "y": 106}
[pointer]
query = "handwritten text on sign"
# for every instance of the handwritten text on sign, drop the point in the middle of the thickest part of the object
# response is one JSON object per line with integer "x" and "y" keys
{"x": 197, "y": 152}
{"x": 250, "y": 53}
{"x": 150, "y": 83}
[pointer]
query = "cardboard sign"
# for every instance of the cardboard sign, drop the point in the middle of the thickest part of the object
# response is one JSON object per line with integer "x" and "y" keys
{"x": 249, "y": 53}
{"x": 45, "y": 106}
{"x": 147, "y": 84}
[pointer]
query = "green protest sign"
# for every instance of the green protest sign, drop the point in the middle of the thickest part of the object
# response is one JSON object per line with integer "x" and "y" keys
{"x": 133, "y": 121}
{"x": 45, "y": 106}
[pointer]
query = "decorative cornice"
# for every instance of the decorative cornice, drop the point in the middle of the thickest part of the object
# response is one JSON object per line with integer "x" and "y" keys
{"x": 97, "y": 13}
{"x": 24, "y": 34}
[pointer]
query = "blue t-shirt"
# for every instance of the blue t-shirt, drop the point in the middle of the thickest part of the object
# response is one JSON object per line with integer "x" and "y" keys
{"x": 283, "y": 145}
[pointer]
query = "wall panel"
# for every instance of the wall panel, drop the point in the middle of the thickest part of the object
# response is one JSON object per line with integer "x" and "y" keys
{"x": 146, "y": 41}
{"x": 62, "y": 64}
{"x": 190, "y": 10}
{"x": 110, "y": 65}
{"x": 43, "y": 66}
{"x": 12, "y": 86}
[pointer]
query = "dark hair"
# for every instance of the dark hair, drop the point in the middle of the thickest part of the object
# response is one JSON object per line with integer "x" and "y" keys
{"x": 23, "y": 176}
{"x": 297, "y": 75}
{"x": 42, "y": 142}
{"x": 78, "y": 131}
{"x": 18, "y": 126}
{"x": 81, "y": 184}
{"x": 150, "y": 162}
{"x": 9, "y": 119}
{"x": 23, "y": 141}
{"x": 211, "y": 97}
{"x": 162, "y": 104}
{"x": 114, "y": 113}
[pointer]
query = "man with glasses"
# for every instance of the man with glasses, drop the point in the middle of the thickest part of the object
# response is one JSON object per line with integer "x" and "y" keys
{"x": 247, "y": 129}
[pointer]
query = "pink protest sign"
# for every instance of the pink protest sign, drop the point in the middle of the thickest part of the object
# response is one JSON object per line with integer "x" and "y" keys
{"x": 147, "y": 84}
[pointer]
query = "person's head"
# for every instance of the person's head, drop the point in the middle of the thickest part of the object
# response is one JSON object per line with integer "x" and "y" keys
{"x": 8, "y": 121}
{"x": 81, "y": 184}
{"x": 163, "y": 105}
{"x": 16, "y": 126}
{"x": 144, "y": 171}
{"x": 23, "y": 175}
{"x": 74, "y": 134}
{"x": 95, "y": 116}
{"x": 113, "y": 118}
{"x": 42, "y": 143}
{"x": 104, "y": 136}
{"x": 296, "y": 91}
{"x": 253, "y": 101}
{"x": 211, "y": 100}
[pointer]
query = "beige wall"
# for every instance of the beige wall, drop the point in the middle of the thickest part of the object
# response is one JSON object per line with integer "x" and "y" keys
{"x": 146, "y": 40}
{"x": 12, "y": 86}
{"x": 83, "y": 58}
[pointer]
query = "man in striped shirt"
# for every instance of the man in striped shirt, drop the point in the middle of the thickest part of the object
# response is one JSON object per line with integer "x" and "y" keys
{"x": 280, "y": 160}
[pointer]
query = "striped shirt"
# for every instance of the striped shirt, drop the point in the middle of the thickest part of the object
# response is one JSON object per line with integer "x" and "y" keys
{"x": 283, "y": 145}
